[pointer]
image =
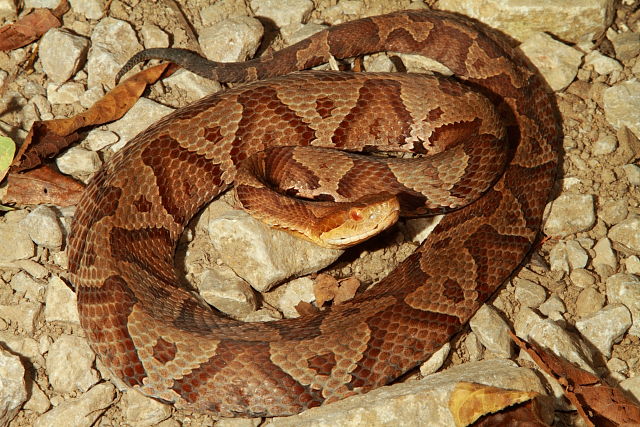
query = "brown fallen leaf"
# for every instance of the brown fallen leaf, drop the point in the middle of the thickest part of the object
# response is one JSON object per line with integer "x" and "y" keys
{"x": 470, "y": 401}
{"x": 42, "y": 185}
{"x": 597, "y": 403}
{"x": 305, "y": 309}
{"x": 31, "y": 27}
{"x": 46, "y": 139}
{"x": 326, "y": 288}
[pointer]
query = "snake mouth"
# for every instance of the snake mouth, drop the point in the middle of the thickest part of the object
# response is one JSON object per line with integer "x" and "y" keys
{"x": 377, "y": 226}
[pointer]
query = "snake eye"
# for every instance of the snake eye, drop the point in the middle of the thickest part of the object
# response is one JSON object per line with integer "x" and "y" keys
{"x": 355, "y": 214}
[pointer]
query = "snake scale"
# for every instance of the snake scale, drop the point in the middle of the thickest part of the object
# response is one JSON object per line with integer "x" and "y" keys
{"x": 153, "y": 334}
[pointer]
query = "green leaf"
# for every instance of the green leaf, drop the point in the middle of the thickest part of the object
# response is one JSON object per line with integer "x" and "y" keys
{"x": 7, "y": 150}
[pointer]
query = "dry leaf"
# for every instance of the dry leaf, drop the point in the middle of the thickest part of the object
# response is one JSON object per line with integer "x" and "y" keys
{"x": 326, "y": 288}
{"x": 31, "y": 27}
{"x": 470, "y": 401}
{"x": 46, "y": 139}
{"x": 347, "y": 289}
{"x": 306, "y": 309}
{"x": 597, "y": 403}
{"x": 42, "y": 185}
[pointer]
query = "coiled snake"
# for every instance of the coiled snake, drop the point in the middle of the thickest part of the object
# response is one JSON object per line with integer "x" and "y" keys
{"x": 161, "y": 340}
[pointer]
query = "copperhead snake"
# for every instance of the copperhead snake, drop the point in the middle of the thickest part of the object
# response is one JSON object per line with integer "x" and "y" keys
{"x": 158, "y": 338}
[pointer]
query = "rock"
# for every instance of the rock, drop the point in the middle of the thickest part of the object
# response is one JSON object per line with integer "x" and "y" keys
{"x": 38, "y": 401}
{"x": 558, "y": 259}
{"x": 492, "y": 331}
{"x": 589, "y": 301}
{"x": 425, "y": 399}
{"x": 26, "y": 286}
{"x": 582, "y": 278}
{"x": 141, "y": 411}
{"x": 601, "y": 64}
{"x": 21, "y": 244}
{"x": 90, "y": 97}
{"x": 79, "y": 412}
{"x": 618, "y": 369}
{"x": 62, "y": 54}
{"x": 474, "y": 347}
{"x": 530, "y": 294}
{"x": 69, "y": 365}
{"x": 143, "y": 114}
{"x": 97, "y": 139}
{"x": 47, "y": 4}
{"x": 66, "y": 93}
{"x": 557, "y": 62}
{"x": 605, "y": 327}
{"x": 13, "y": 391}
{"x": 295, "y": 291}
{"x": 61, "y": 303}
{"x": 79, "y": 162}
{"x": 436, "y": 360}
{"x": 633, "y": 173}
{"x": 195, "y": 86}
{"x": 154, "y": 36}
{"x": 274, "y": 255}
{"x": 605, "y": 144}
{"x": 626, "y": 44}
{"x": 627, "y": 234}
{"x": 632, "y": 264}
{"x": 263, "y": 315}
{"x": 613, "y": 211}
{"x": 576, "y": 254}
{"x": 25, "y": 347}
{"x": 43, "y": 227}
{"x": 570, "y": 213}
{"x": 234, "y": 39}
{"x": 91, "y": 9}
{"x": 25, "y": 315}
{"x": 553, "y": 307}
{"x": 8, "y": 10}
{"x": 288, "y": 16}
{"x": 625, "y": 288}
{"x": 306, "y": 31}
{"x": 622, "y": 106}
{"x": 530, "y": 326}
{"x": 521, "y": 19}
{"x": 102, "y": 67}
{"x": 238, "y": 422}
{"x": 227, "y": 292}
{"x": 223, "y": 9}
{"x": 632, "y": 385}
{"x": 605, "y": 261}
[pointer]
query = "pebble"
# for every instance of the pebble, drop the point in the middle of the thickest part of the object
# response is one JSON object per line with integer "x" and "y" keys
{"x": 589, "y": 301}
{"x": 529, "y": 325}
{"x": 44, "y": 227}
{"x": 276, "y": 255}
{"x": 288, "y": 16}
{"x": 196, "y": 87}
{"x": 605, "y": 144}
{"x": 82, "y": 411}
{"x": 69, "y": 365}
{"x": 295, "y": 291}
{"x": 79, "y": 162}
{"x": 601, "y": 64}
{"x": 91, "y": 96}
{"x": 231, "y": 40}
{"x": 625, "y": 289}
{"x": 492, "y": 331}
{"x": 13, "y": 392}
{"x": 27, "y": 287}
{"x": 227, "y": 292}
{"x": 605, "y": 261}
{"x": 613, "y": 211}
{"x": 154, "y": 36}
{"x": 618, "y": 368}
{"x": 576, "y": 254}
{"x": 21, "y": 247}
{"x": 38, "y": 401}
{"x": 304, "y": 32}
{"x": 25, "y": 314}
{"x": 91, "y": 9}
{"x": 605, "y": 327}
{"x": 61, "y": 303}
{"x": 97, "y": 139}
{"x": 530, "y": 294}
{"x": 474, "y": 347}
{"x": 557, "y": 61}
{"x": 8, "y": 10}
{"x": 626, "y": 44}
{"x": 622, "y": 106}
{"x": 223, "y": 9}
{"x": 553, "y": 307}
{"x": 142, "y": 411}
{"x": 633, "y": 173}
{"x": 627, "y": 234}
{"x": 67, "y": 93}
{"x": 62, "y": 54}
{"x": 632, "y": 385}
{"x": 558, "y": 259}
{"x": 436, "y": 360}
{"x": 143, "y": 114}
{"x": 632, "y": 264}
{"x": 570, "y": 213}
